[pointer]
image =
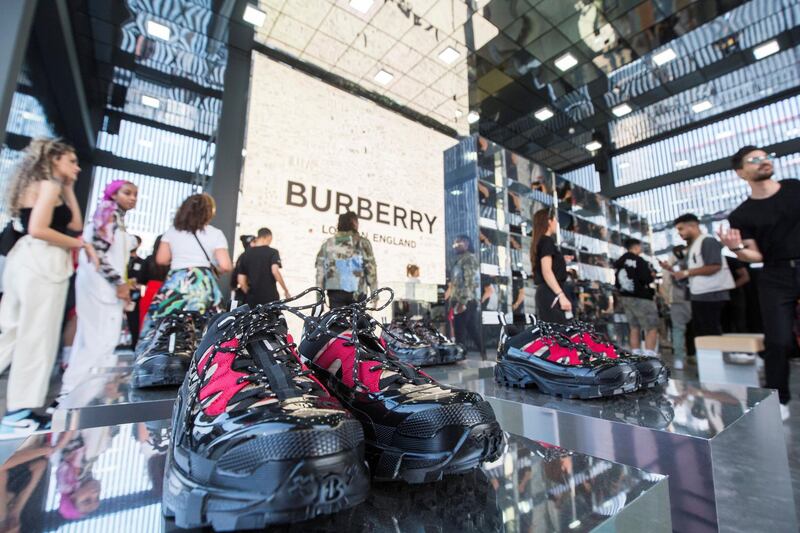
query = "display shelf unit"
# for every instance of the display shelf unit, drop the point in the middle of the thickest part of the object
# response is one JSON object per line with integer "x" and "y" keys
{"x": 491, "y": 195}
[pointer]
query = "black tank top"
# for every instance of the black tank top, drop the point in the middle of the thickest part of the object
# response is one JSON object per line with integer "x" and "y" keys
{"x": 61, "y": 217}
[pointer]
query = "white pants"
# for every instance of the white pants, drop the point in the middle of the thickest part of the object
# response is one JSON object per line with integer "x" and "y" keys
{"x": 99, "y": 326}
{"x": 36, "y": 279}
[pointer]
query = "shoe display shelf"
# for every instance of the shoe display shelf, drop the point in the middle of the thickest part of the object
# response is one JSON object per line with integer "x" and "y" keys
{"x": 716, "y": 442}
{"x": 491, "y": 195}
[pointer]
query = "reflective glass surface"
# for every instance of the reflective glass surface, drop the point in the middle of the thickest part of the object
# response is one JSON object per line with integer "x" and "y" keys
{"x": 110, "y": 479}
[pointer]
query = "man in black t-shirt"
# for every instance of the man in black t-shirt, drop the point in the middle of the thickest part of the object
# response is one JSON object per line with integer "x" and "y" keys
{"x": 633, "y": 280}
{"x": 259, "y": 271}
{"x": 765, "y": 228}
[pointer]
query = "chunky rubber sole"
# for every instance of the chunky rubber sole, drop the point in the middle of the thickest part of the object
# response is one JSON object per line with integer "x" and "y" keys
{"x": 448, "y": 355}
{"x": 660, "y": 380}
{"x": 158, "y": 374}
{"x": 518, "y": 375}
{"x": 311, "y": 487}
{"x": 476, "y": 445}
{"x": 419, "y": 357}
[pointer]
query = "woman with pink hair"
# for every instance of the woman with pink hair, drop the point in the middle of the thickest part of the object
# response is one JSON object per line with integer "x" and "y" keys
{"x": 102, "y": 292}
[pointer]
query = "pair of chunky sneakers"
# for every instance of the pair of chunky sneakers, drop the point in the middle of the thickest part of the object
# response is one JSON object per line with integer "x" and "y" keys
{"x": 266, "y": 431}
{"x": 420, "y": 344}
{"x": 164, "y": 355}
{"x": 572, "y": 361}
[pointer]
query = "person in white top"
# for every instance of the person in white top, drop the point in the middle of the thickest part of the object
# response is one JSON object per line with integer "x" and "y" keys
{"x": 197, "y": 253}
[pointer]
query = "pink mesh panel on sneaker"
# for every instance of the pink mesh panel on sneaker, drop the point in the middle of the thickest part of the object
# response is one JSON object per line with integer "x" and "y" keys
{"x": 595, "y": 346}
{"x": 224, "y": 380}
{"x": 558, "y": 353}
{"x": 336, "y": 350}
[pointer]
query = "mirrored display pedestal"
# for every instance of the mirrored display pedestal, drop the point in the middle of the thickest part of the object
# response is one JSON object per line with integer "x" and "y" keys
{"x": 722, "y": 446}
{"x": 110, "y": 479}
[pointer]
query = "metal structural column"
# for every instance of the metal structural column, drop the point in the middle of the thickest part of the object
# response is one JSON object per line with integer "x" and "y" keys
{"x": 225, "y": 182}
{"x": 15, "y": 28}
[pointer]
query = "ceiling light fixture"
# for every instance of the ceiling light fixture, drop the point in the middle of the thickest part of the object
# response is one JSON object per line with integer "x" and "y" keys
{"x": 543, "y": 114}
{"x": 473, "y": 117}
{"x": 767, "y": 49}
{"x": 566, "y": 62}
{"x": 159, "y": 31}
{"x": 33, "y": 117}
{"x": 362, "y": 6}
{"x": 594, "y": 146}
{"x": 624, "y": 164}
{"x": 254, "y": 16}
{"x": 724, "y": 134}
{"x": 384, "y": 77}
{"x": 145, "y": 143}
{"x": 622, "y": 110}
{"x": 449, "y": 55}
{"x": 682, "y": 163}
{"x": 664, "y": 56}
{"x": 149, "y": 101}
{"x": 702, "y": 105}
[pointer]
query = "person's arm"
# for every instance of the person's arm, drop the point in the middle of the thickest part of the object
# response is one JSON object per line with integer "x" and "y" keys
{"x": 370, "y": 267}
{"x": 520, "y": 299}
{"x": 163, "y": 254}
{"x": 106, "y": 269}
{"x": 745, "y": 249}
{"x": 243, "y": 283}
{"x": 76, "y": 222}
{"x": 711, "y": 252}
{"x": 276, "y": 272}
{"x": 742, "y": 277}
{"x": 546, "y": 264}
{"x": 488, "y": 291}
{"x": 223, "y": 259}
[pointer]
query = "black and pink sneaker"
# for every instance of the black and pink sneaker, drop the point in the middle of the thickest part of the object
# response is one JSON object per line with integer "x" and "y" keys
{"x": 415, "y": 429}
{"x": 652, "y": 371}
{"x": 257, "y": 439}
{"x": 542, "y": 356}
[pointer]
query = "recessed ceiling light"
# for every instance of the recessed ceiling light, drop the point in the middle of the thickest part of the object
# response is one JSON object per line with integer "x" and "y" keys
{"x": 362, "y": 6}
{"x": 682, "y": 163}
{"x": 473, "y": 117}
{"x": 254, "y": 16}
{"x": 624, "y": 164}
{"x": 149, "y": 101}
{"x": 622, "y": 110}
{"x": 767, "y": 49}
{"x": 664, "y": 56}
{"x": 702, "y": 105}
{"x": 543, "y": 114}
{"x": 724, "y": 134}
{"x": 383, "y": 77}
{"x": 566, "y": 62}
{"x": 449, "y": 55}
{"x": 159, "y": 31}
{"x": 594, "y": 146}
{"x": 33, "y": 117}
{"x": 456, "y": 192}
{"x": 145, "y": 143}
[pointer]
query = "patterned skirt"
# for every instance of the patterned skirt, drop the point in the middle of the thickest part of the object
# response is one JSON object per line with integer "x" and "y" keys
{"x": 185, "y": 289}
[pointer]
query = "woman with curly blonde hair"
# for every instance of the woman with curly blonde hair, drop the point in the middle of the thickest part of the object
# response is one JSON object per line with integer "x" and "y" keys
{"x": 36, "y": 277}
{"x": 196, "y": 251}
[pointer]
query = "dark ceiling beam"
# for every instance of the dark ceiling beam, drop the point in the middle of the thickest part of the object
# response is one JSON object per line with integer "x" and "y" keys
{"x": 104, "y": 158}
{"x": 15, "y": 24}
{"x": 720, "y": 165}
{"x": 156, "y": 124}
{"x": 353, "y": 88}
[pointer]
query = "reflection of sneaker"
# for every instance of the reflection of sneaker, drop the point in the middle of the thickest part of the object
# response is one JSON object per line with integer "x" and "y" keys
{"x": 652, "y": 371}
{"x": 541, "y": 355}
{"x": 740, "y": 358}
{"x": 21, "y": 423}
{"x": 407, "y": 347}
{"x": 449, "y": 352}
{"x": 415, "y": 429}
{"x": 256, "y": 440}
{"x": 167, "y": 356}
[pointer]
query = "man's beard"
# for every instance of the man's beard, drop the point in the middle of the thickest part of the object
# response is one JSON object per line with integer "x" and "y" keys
{"x": 763, "y": 177}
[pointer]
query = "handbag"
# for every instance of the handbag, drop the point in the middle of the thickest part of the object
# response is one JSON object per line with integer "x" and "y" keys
{"x": 8, "y": 238}
{"x": 214, "y": 269}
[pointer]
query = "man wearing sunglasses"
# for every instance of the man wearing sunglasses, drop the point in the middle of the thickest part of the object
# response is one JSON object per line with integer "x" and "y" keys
{"x": 765, "y": 228}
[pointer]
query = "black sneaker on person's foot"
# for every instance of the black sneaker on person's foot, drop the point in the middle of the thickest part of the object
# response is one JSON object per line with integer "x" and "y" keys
{"x": 543, "y": 356}
{"x": 415, "y": 429}
{"x": 257, "y": 440}
{"x": 166, "y": 359}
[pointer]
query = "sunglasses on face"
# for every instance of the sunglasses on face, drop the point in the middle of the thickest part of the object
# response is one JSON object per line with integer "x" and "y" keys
{"x": 759, "y": 159}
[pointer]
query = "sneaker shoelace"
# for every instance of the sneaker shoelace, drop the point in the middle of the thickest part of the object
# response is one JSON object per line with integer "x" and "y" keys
{"x": 183, "y": 333}
{"x": 367, "y": 346}
{"x": 271, "y": 371}
{"x": 551, "y": 334}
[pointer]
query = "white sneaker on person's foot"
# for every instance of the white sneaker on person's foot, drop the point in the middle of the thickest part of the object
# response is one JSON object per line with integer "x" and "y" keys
{"x": 22, "y": 423}
{"x": 784, "y": 412}
{"x": 637, "y": 351}
{"x": 649, "y": 353}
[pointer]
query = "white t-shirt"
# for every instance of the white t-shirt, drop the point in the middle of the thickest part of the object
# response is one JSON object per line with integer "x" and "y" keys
{"x": 186, "y": 252}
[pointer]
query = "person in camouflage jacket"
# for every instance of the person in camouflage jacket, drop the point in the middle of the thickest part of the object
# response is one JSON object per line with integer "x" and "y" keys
{"x": 462, "y": 294}
{"x": 346, "y": 266}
